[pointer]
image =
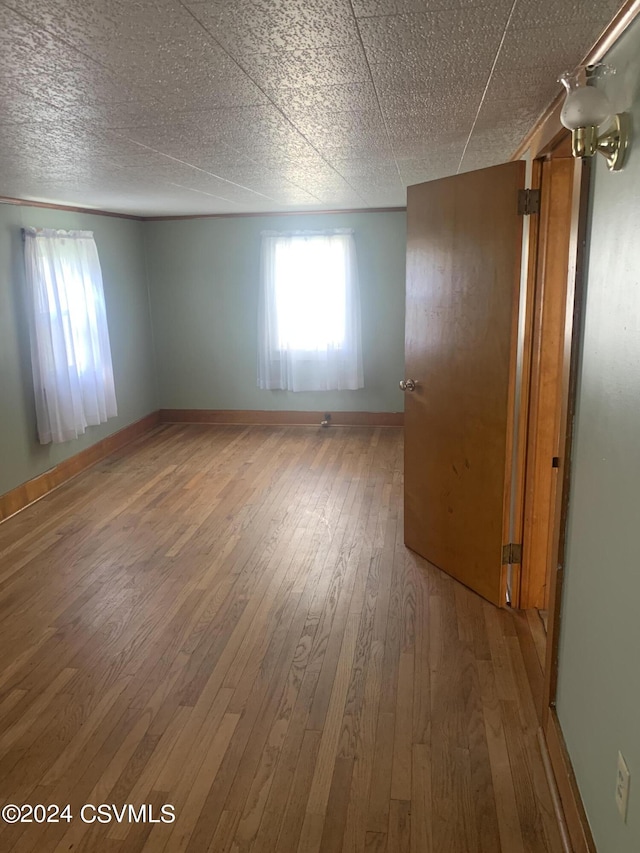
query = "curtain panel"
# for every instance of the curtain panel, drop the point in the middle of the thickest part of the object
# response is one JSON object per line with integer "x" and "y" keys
{"x": 70, "y": 350}
{"x": 309, "y": 336}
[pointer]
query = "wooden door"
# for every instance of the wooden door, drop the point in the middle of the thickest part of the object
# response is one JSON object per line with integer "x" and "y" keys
{"x": 464, "y": 245}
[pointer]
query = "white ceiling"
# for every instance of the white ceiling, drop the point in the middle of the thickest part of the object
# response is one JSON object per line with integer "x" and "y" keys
{"x": 224, "y": 106}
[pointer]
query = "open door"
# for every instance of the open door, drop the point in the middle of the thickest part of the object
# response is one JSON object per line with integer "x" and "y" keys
{"x": 464, "y": 252}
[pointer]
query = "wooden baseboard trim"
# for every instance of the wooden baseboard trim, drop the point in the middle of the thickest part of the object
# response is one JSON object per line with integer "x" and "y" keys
{"x": 278, "y": 418}
{"x": 564, "y": 781}
{"x": 555, "y": 794}
{"x": 31, "y": 491}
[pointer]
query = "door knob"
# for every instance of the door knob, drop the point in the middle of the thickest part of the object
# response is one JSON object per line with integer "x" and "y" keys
{"x": 408, "y": 384}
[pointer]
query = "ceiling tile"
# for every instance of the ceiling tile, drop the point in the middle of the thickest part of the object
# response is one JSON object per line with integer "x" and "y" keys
{"x": 550, "y": 13}
{"x": 159, "y": 106}
{"x": 219, "y": 188}
{"x": 320, "y": 101}
{"x": 144, "y": 46}
{"x": 276, "y": 157}
{"x": 495, "y": 144}
{"x": 400, "y": 75}
{"x": 395, "y": 199}
{"x": 559, "y": 47}
{"x": 457, "y": 99}
{"x": 376, "y": 180}
{"x": 537, "y": 84}
{"x": 365, "y": 169}
{"x": 433, "y": 57}
{"x": 251, "y": 26}
{"x": 507, "y": 113}
{"x": 53, "y": 74}
{"x": 362, "y": 149}
{"x": 345, "y": 125}
{"x": 361, "y": 130}
{"x": 374, "y": 8}
{"x": 183, "y": 143}
{"x": 428, "y": 127}
{"x": 437, "y": 35}
{"x": 325, "y": 184}
{"x": 437, "y": 165}
{"x": 327, "y": 66}
{"x": 19, "y": 108}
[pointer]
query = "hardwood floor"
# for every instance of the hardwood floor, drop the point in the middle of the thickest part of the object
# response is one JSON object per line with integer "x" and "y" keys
{"x": 225, "y": 619}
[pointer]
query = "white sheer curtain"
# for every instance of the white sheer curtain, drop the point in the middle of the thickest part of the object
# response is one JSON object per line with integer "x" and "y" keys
{"x": 309, "y": 314}
{"x": 70, "y": 351}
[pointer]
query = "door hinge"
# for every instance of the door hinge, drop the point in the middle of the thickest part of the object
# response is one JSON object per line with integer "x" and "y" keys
{"x": 528, "y": 202}
{"x": 511, "y": 554}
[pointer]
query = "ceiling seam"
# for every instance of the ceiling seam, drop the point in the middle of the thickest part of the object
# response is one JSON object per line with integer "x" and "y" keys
{"x": 118, "y": 132}
{"x": 304, "y": 121}
{"x": 486, "y": 88}
{"x": 375, "y": 89}
{"x": 272, "y": 102}
{"x": 70, "y": 45}
{"x": 200, "y": 169}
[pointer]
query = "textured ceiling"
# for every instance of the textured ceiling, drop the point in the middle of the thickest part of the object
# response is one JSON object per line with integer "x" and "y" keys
{"x": 224, "y": 106}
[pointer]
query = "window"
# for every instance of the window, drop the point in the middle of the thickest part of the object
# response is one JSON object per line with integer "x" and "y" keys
{"x": 309, "y": 323}
{"x": 70, "y": 350}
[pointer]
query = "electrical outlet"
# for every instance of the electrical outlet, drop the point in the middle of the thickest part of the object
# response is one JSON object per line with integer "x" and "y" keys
{"x": 623, "y": 778}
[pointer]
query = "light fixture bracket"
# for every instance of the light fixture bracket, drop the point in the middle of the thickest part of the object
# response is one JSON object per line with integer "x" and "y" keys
{"x": 612, "y": 144}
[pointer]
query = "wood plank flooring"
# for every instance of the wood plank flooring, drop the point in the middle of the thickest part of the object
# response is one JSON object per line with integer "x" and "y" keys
{"x": 225, "y": 619}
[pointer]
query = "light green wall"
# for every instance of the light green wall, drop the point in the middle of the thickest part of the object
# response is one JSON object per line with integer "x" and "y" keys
{"x": 121, "y": 250}
{"x": 204, "y": 279}
{"x": 599, "y": 670}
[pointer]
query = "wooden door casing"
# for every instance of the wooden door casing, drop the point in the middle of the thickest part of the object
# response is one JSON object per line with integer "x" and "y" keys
{"x": 546, "y": 390}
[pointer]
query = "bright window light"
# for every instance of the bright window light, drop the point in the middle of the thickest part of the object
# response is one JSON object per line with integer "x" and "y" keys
{"x": 310, "y": 292}
{"x": 70, "y": 350}
{"x": 309, "y": 312}
{"x": 70, "y": 307}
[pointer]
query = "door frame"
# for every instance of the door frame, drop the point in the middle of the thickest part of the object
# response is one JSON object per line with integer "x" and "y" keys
{"x": 574, "y": 812}
{"x": 550, "y": 293}
{"x": 544, "y": 136}
{"x": 552, "y": 137}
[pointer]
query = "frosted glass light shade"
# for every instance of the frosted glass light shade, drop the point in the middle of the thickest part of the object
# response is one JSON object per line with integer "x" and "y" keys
{"x": 586, "y": 109}
{"x": 585, "y": 106}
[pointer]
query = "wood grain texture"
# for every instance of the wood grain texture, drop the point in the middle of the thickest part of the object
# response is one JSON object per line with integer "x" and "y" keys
{"x": 574, "y": 813}
{"x": 544, "y": 438}
{"x": 280, "y": 418}
{"x": 25, "y": 494}
{"x": 531, "y": 234}
{"x": 50, "y": 206}
{"x": 555, "y": 794}
{"x": 461, "y": 330}
{"x": 225, "y": 619}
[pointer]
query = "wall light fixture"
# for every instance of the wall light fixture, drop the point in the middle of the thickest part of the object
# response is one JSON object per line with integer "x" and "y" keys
{"x": 586, "y": 109}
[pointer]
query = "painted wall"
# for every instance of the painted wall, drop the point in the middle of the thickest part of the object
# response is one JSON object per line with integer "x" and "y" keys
{"x": 204, "y": 279}
{"x": 599, "y": 672}
{"x": 121, "y": 249}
